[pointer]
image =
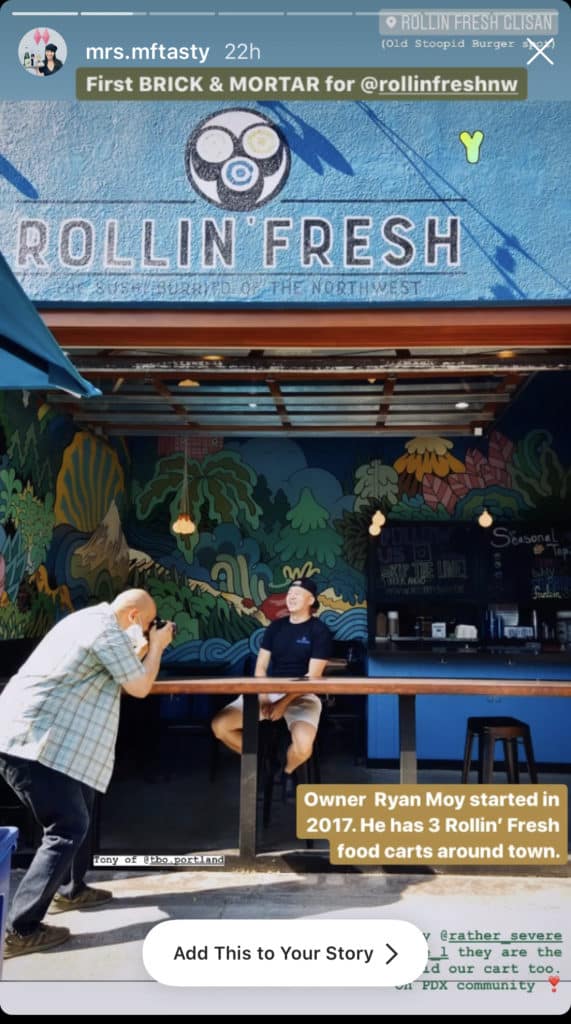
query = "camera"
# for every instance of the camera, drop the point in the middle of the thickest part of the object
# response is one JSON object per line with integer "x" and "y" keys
{"x": 159, "y": 623}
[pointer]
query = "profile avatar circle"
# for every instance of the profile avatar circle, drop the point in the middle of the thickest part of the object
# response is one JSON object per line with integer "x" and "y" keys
{"x": 42, "y": 52}
{"x": 237, "y": 159}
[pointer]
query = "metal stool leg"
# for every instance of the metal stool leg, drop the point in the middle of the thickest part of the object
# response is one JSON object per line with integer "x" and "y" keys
{"x": 313, "y": 765}
{"x": 481, "y": 752}
{"x": 511, "y": 758}
{"x": 487, "y": 757}
{"x": 528, "y": 747}
{"x": 302, "y": 775}
{"x": 269, "y": 760}
{"x": 467, "y": 754}
{"x": 214, "y": 757}
{"x": 268, "y": 788}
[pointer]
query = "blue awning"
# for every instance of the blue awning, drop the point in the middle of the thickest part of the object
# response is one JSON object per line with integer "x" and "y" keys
{"x": 30, "y": 357}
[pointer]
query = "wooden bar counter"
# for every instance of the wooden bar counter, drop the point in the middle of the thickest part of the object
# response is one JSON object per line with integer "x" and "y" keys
{"x": 406, "y": 689}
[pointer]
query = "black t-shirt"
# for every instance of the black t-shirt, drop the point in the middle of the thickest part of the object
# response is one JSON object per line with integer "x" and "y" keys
{"x": 292, "y": 645}
{"x": 44, "y": 69}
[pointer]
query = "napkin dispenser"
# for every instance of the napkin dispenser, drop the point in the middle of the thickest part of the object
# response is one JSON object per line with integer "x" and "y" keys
{"x": 465, "y": 632}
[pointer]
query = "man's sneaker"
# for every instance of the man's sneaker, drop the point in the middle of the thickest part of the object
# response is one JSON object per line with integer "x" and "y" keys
{"x": 87, "y": 899}
{"x": 44, "y": 937}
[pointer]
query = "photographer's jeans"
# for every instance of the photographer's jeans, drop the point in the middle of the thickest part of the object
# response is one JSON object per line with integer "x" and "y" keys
{"x": 63, "y": 807}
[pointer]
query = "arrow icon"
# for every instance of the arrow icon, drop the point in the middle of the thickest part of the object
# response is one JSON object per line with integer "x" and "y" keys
{"x": 393, "y": 951}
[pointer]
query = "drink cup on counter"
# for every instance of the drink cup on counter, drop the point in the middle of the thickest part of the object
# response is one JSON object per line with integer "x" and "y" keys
{"x": 393, "y": 623}
{"x": 427, "y": 626}
{"x": 563, "y": 628}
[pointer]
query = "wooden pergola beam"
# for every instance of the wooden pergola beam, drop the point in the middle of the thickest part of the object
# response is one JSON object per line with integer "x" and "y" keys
{"x": 212, "y": 330}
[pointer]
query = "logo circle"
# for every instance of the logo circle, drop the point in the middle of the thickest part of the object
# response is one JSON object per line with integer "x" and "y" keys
{"x": 237, "y": 159}
{"x": 32, "y": 52}
{"x": 240, "y": 174}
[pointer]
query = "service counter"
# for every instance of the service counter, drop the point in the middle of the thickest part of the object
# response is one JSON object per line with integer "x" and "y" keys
{"x": 441, "y": 720}
{"x": 405, "y": 691}
{"x": 418, "y": 703}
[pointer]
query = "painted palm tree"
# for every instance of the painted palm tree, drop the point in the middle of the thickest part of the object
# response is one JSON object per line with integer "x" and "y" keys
{"x": 220, "y": 485}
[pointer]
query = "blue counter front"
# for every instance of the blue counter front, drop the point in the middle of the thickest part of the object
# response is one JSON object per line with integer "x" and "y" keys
{"x": 441, "y": 719}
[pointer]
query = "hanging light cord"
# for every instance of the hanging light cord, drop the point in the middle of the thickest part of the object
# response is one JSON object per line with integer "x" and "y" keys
{"x": 184, "y": 502}
{"x": 183, "y": 523}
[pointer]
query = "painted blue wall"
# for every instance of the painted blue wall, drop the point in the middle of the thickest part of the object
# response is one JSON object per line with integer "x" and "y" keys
{"x": 441, "y": 725}
{"x": 115, "y": 187}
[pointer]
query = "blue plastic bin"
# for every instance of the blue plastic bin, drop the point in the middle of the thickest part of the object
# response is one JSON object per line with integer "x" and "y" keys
{"x": 8, "y": 842}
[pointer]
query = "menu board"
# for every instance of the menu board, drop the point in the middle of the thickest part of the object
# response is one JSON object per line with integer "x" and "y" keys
{"x": 529, "y": 564}
{"x": 427, "y": 561}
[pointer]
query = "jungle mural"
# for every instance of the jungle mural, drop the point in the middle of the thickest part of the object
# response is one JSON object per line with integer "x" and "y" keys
{"x": 82, "y": 516}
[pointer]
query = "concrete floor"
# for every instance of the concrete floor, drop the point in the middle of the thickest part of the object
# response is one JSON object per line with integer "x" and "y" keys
{"x": 101, "y": 967}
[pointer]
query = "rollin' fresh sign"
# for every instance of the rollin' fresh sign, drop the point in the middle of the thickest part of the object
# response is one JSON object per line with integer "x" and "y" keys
{"x": 290, "y": 204}
{"x": 238, "y": 161}
{"x": 361, "y": 244}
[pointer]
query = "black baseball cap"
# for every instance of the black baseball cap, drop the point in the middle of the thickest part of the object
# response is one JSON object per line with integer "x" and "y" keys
{"x": 308, "y": 584}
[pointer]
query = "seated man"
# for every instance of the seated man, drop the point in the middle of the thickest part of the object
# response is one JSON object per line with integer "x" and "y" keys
{"x": 293, "y": 646}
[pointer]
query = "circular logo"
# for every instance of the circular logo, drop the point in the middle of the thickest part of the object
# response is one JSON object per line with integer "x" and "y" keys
{"x": 42, "y": 52}
{"x": 237, "y": 159}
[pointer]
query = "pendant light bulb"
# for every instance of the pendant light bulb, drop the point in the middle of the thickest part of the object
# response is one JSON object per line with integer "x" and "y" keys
{"x": 485, "y": 519}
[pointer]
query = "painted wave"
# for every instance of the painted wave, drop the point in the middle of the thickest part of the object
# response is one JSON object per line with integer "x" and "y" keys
{"x": 350, "y": 625}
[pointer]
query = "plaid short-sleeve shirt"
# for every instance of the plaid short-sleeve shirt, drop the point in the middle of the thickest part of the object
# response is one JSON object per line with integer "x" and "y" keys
{"x": 62, "y": 706}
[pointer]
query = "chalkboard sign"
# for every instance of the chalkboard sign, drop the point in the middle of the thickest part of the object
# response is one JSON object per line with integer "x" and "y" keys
{"x": 416, "y": 561}
{"x": 529, "y": 564}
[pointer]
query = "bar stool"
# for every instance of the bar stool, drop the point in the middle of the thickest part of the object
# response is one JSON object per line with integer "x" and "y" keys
{"x": 274, "y": 739}
{"x": 488, "y": 731}
{"x": 349, "y": 657}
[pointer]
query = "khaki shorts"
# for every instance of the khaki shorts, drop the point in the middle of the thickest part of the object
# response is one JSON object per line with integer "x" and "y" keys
{"x": 305, "y": 708}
